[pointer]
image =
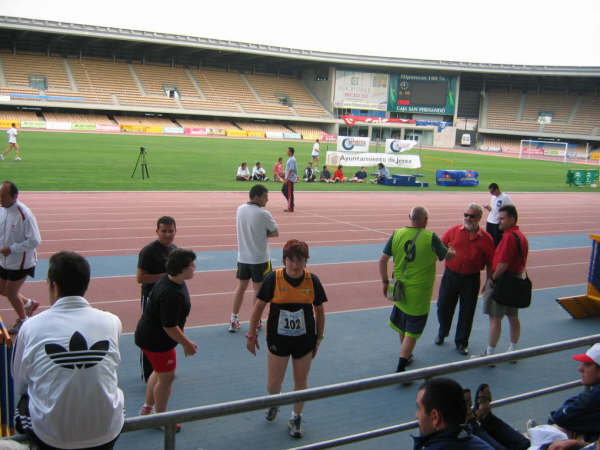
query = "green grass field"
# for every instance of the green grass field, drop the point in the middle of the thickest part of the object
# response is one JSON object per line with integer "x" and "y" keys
{"x": 78, "y": 161}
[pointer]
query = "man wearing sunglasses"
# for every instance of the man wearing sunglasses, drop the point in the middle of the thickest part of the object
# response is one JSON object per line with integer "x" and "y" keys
{"x": 461, "y": 280}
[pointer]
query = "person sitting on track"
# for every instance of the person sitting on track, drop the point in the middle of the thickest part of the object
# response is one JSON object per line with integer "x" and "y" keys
{"x": 278, "y": 171}
{"x": 338, "y": 175}
{"x": 243, "y": 174}
{"x": 160, "y": 328}
{"x": 293, "y": 328}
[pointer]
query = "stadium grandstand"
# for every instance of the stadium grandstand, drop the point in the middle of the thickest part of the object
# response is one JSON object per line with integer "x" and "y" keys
{"x": 53, "y": 74}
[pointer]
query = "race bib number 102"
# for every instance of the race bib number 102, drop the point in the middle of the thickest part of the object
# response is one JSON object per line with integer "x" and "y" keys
{"x": 291, "y": 323}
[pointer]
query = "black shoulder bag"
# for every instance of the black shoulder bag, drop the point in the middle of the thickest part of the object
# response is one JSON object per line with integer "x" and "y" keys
{"x": 512, "y": 289}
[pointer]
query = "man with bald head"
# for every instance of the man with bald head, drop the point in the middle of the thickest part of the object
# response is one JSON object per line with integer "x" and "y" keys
{"x": 461, "y": 281}
{"x": 414, "y": 251}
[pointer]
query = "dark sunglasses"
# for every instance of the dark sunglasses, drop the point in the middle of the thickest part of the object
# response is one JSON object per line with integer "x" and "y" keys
{"x": 472, "y": 216}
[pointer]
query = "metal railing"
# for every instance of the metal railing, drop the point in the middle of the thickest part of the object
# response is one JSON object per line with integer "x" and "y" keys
{"x": 167, "y": 420}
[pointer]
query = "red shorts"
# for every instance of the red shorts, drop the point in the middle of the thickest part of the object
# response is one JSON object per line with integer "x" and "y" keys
{"x": 162, "y": 361}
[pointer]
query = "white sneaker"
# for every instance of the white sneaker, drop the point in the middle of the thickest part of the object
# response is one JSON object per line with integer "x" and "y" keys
{"x": 234, "y": 325}
{"x": 18, "y": 158}
{"x": 1, "y": 157}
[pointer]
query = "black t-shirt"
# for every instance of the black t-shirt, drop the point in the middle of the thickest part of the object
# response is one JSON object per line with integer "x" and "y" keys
{"x": 361, "y": 175}
{"x": 168, "y": 306}
{"x": 153, "y": 259}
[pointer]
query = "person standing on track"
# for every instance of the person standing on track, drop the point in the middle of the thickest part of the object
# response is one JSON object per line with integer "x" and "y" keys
{"x": 291, "y": 176}
{"x": 461, "y": 280}
{"x": 498, "y": 200}
{"x": 160, "y": 329}
{"x": 152, "y": 261}
{"x": 295, "y": 327}
{"x": 19, "y": 238}
{"x": 414, "y": 250}
{"x": 12, "y": 142}
{"x": 254, "y": 227}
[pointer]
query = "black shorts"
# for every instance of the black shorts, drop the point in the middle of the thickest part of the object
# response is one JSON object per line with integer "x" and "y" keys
{"x": 411, "y": 326}
{"x": 297, "y": 347}
{"x": 16, "y": 275}
{"x": 255, "y": 271}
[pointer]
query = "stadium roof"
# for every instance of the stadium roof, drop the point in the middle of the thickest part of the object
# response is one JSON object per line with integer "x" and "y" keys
{"x": 62, "y": 37}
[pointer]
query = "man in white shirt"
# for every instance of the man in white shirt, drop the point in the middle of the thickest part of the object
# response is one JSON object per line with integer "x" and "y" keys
{"x": 498, "y": 200}
{"x": 315, "y": 153}
{"x": 19, "y": 238}
{"x": 65, "y": 366}
{"x": 12, "y": 142}
{"x": 259, "y": 173}
{"x": 243, "y": 174}
{"x": 254, "y": 227}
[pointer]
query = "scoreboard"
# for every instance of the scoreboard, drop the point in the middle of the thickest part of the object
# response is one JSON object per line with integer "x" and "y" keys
{"x": 421, "y": 93}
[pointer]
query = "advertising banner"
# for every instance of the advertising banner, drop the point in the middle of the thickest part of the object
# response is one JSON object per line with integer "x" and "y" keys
{"x": 235, "y": 133}
{"x": 107, "y": 127}
{"x": 351, "y": 120}
{"x": 172, "y": 130}
{"x": 196, "y": 131}
{"x": 8, "y": 123}
{"x": 422, "y": 93}
{"x": 216, "y": 131}
{"x": 398, "y": 145}
{"x": 50, "y": 125}
{"x": 310, "y": 137}
{"x": 33, "y": 124}
{"x": 292, "y": 136}
{"x": 154, "y": 129}
{"x": 353, "y": 144}
{"x": 362, "y": 90}
{"x": 134, "y": 128}
{"x": 83, "y": 126}
{"x": 328, "y": 138}
{"x": 274, "y": 134}
{"x": 256, "y": 133}
{"x": 372, "y": 159}
{"x": 4, "y": 98}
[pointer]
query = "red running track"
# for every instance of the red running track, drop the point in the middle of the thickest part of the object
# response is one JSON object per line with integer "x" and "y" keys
{"x": 114, "y": 223}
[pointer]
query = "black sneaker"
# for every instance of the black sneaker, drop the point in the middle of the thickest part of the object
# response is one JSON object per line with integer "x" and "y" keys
{"x": 438, "y": 340}
{"x": 295, "y": 427}
{"x": 271, "y": 413}
{"x": 462, "y": 349}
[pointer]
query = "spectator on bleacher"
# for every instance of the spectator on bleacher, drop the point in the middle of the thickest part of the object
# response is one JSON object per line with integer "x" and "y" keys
{"x": 20, "y": 236}
{"x": 579, "y": 416}
{"x": 278, "y": 174}
{"x": 461, "y": 280}
{"x": 315, "y": 152}
{"x": 152, "y": 261}
{"x": 441, "y": 413}
{"x": 65, "y": 366}
{"x": 338, "y": 175}
{"x": 487, "y": 426}
{"x": 414, "y": 251}
{"x": 325, "y": 175}
{"x": 509, "y": 257}
{"x": 160, "y": 329}
{"x": 359, "y": 176}
{"x": 291, "y": 177}
{"x": 309, "y": 176}
{"x": 12, "y": 142}
{"x": 296, "y": 297}
{"x": 243, "y": 174}
{"x": 498, "y": 200}
{"x": 382, "y": 174}
{"x": 259, "y": 173}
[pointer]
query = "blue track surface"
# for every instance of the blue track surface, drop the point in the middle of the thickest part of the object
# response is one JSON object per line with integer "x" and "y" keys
{"x": 358, "y": 344}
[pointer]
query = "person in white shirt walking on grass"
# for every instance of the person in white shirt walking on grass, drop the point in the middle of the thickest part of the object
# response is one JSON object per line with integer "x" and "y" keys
{"x": 12, "y": 142}
{"x": 254, "y": 227}
{"x": 19, "y": 238}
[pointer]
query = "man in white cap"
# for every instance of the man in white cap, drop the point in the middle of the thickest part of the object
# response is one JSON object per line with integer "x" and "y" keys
{"x": 579, "y": 416}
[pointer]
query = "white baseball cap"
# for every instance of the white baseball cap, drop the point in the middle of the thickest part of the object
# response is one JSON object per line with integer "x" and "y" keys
{"x": 591, "y": 356}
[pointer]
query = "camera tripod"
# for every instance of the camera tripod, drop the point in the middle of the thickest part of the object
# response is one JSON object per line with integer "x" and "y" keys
{"x": 141, "y": 161}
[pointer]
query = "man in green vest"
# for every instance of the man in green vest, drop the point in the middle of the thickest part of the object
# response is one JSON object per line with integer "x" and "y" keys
{"x": 414, "y": 251}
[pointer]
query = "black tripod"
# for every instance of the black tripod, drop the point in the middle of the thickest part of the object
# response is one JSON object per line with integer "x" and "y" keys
{"x": 141, "y": 161}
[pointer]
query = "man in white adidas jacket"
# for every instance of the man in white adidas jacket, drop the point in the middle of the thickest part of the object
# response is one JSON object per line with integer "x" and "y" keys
{"x": 19, "y": 237}
{"x": 65, "y": 366}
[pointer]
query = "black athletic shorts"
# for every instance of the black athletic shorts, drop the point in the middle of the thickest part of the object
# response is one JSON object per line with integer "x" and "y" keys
{"x": 257, "y": 272}
{"x": 296, "y": 346}
{"x": 16, "y": 275}
{"x": 412, "y": 326}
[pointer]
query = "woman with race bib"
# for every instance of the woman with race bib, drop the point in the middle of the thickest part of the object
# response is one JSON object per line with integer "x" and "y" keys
{"x": 295, "y": 327}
